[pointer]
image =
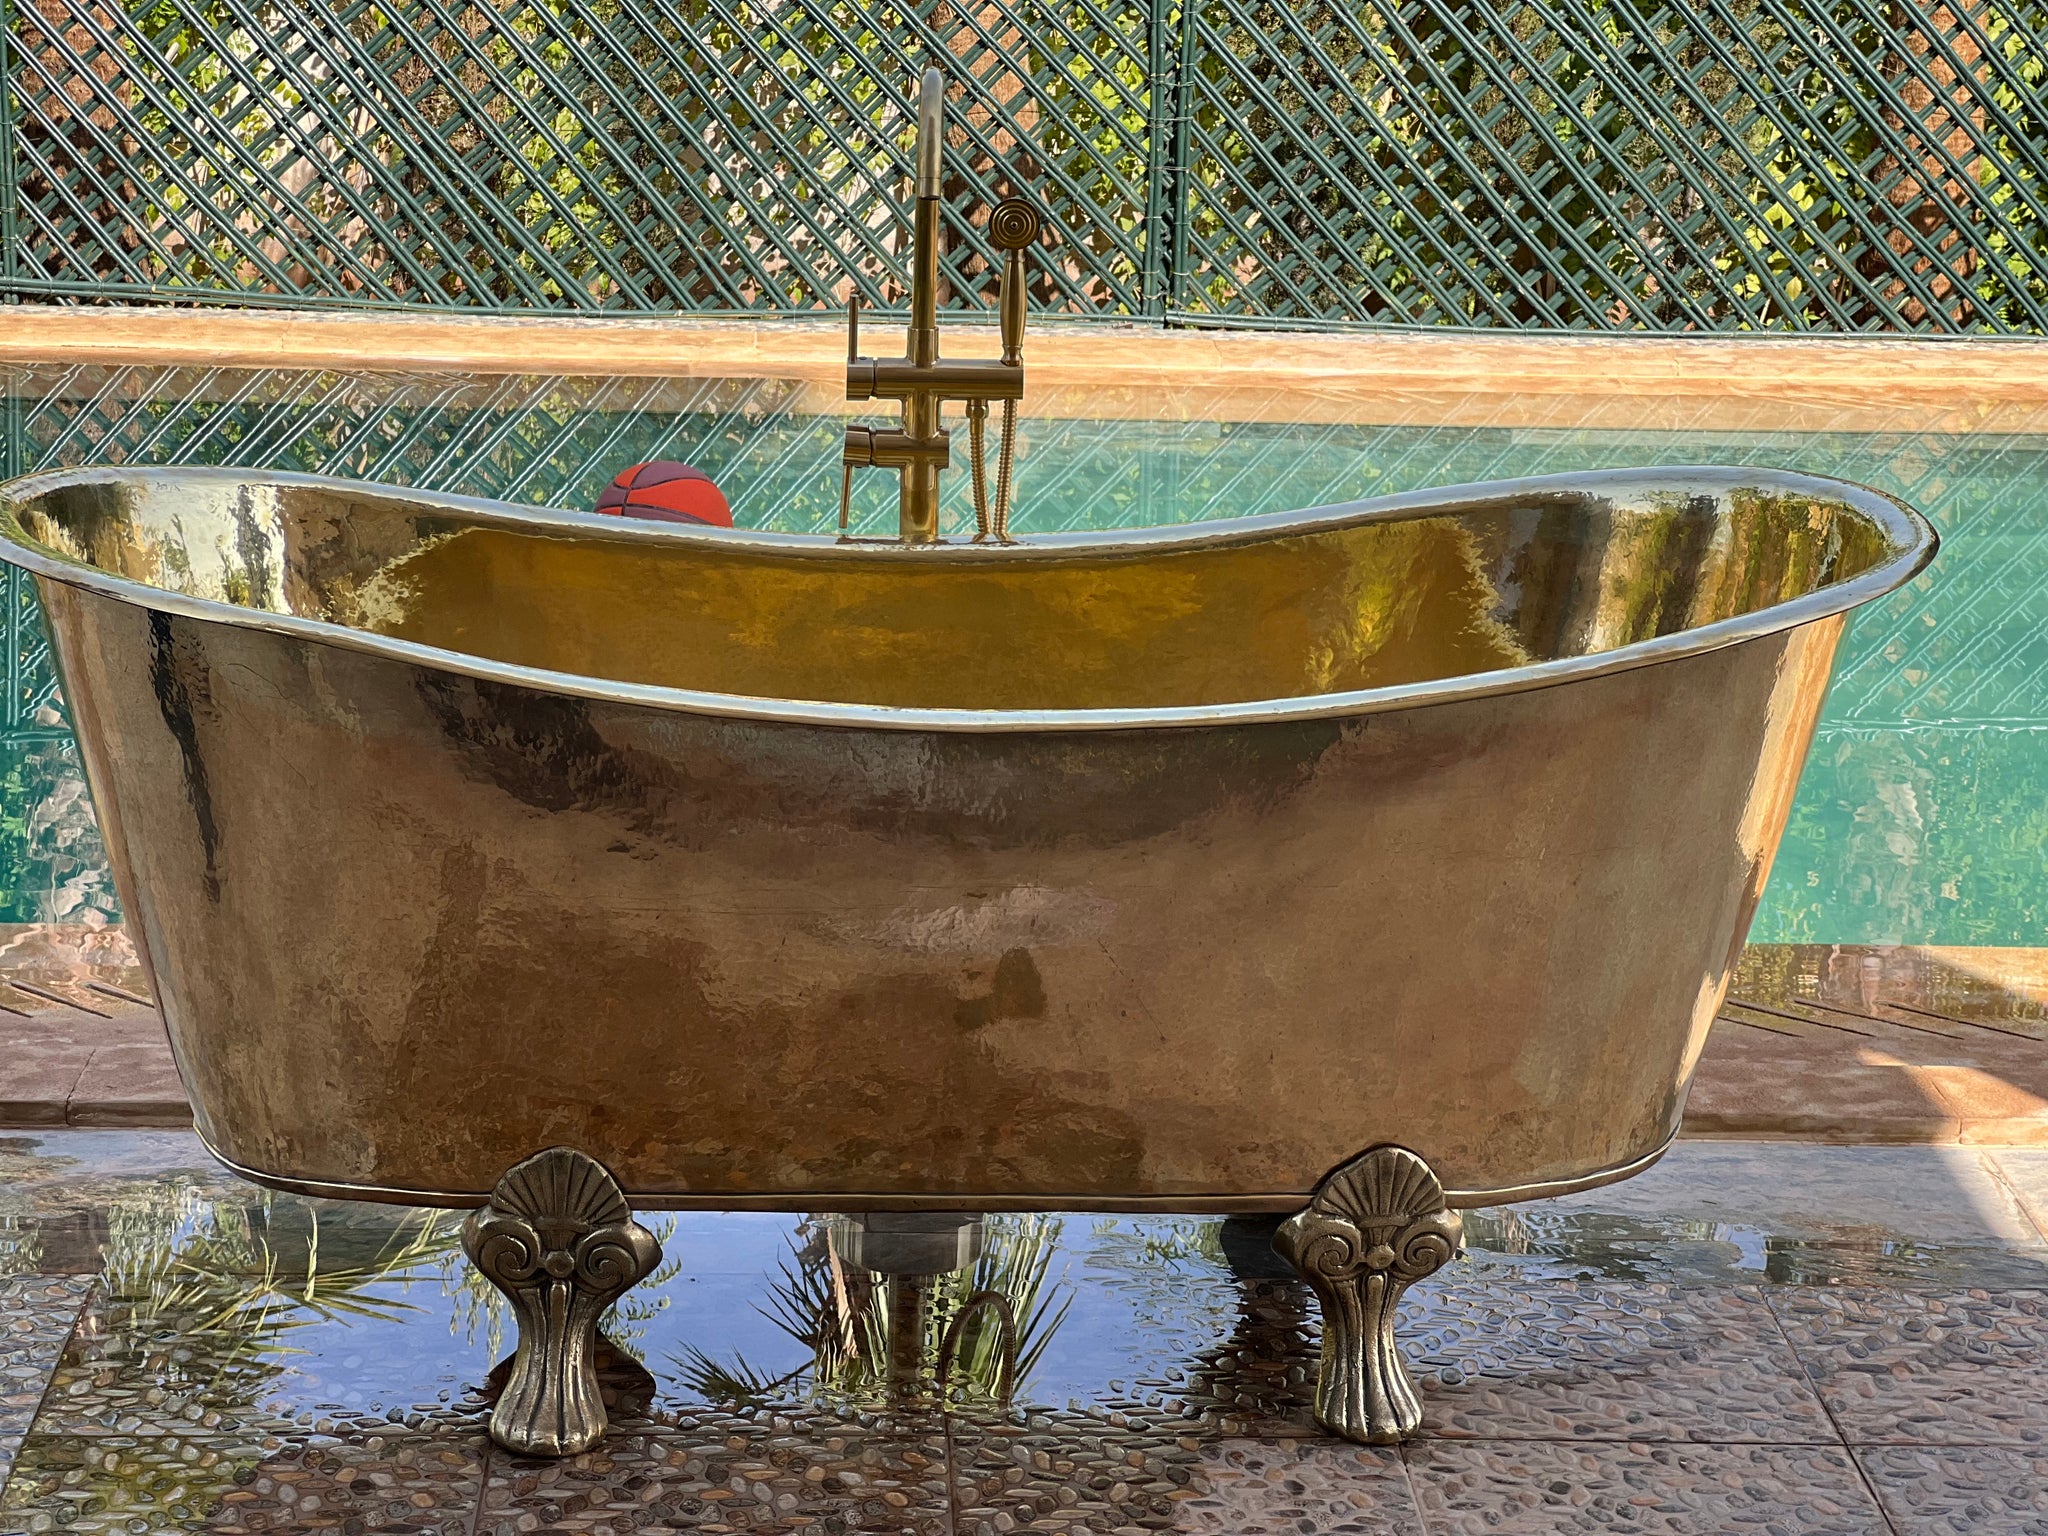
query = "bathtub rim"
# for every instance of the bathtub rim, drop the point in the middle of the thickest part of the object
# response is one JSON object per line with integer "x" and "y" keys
{"x": 798, "y": 1201}
{"x": 1907, "y": 529}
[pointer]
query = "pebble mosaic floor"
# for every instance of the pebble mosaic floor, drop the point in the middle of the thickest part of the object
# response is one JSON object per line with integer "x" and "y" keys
{"x": 1762, "y": 1338}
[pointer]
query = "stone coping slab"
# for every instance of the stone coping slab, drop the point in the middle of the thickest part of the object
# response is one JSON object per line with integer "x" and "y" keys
{"x": 1113, "y": 370}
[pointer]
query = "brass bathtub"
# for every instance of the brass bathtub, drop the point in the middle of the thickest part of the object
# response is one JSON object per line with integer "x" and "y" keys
{"x": 1165, "y": 869}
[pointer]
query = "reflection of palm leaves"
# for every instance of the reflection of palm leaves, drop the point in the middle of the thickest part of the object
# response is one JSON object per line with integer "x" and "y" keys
{"x": 206, "y": 1288}
{"x": 241, "y": 1274}
{"x": 253, "y": 1291}
{"x": 736, "y": 1384}
{"x": 851, "y": 1321}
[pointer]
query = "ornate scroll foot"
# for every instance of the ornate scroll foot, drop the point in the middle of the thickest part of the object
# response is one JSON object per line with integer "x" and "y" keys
{"x": 1377, "y": 1224}
{"x": 559, "y": 1240}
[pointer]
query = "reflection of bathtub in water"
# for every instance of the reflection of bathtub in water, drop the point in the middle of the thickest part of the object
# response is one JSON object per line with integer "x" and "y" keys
{"x": 1165, "y": 869}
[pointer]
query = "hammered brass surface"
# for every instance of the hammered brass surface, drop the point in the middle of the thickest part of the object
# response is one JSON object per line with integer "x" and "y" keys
{"x": 409, "y": 923}
{"x": 1339, "y": 604}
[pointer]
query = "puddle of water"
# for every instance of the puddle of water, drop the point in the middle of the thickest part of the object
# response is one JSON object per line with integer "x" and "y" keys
{"x": 1592, "y": 1245}
{"x": 282, "y": 1314}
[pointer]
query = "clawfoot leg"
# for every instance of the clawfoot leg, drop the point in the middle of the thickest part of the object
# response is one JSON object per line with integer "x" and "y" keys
{"x": 1376, "y": 1225}
{"x": 560, "y": 1241}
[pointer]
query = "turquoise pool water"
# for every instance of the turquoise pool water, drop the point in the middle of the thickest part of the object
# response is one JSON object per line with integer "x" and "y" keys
{"x": 1923, "y": 816}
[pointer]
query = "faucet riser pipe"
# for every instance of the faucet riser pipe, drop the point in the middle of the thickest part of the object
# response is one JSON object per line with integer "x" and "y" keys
{"x": 924, "y": 287}
{"x": 919, "y": 521}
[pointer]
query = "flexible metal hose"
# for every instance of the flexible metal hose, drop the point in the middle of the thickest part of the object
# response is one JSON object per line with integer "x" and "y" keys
{"x": 1005, "y": 457}
{"x": 977, "y": 466}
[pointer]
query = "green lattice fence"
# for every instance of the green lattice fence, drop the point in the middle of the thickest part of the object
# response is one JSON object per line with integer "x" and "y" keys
{"x": 1593, "y": 164}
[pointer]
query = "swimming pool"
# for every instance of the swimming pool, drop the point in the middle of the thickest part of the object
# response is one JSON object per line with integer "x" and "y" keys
{"x": 1923, "y": 816}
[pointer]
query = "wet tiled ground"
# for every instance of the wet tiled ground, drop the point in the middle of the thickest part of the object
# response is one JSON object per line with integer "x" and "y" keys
{"x": 1768, "y": 1338}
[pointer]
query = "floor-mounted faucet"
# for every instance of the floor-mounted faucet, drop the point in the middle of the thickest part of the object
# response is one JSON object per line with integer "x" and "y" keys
{"x": 920, "y": 447}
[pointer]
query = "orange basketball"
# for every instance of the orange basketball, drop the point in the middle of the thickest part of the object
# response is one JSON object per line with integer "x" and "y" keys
{"x": 667, "y": 491}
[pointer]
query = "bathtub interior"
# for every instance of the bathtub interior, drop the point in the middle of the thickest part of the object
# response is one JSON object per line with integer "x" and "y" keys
{"x": 1498, "y": 579}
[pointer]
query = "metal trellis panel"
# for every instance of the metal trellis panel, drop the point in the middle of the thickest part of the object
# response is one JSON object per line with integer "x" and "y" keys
{"x": 1644, "y": 165}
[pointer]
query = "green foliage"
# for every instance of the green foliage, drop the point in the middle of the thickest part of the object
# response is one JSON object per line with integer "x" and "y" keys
{"x": 1589, "y": 164}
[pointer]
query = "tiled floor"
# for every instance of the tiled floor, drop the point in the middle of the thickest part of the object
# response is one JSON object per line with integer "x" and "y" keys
{"x": 1706, "y": 1349}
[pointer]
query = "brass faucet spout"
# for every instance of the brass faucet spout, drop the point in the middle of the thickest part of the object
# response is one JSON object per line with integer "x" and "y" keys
{"x": 931, "y": 113}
